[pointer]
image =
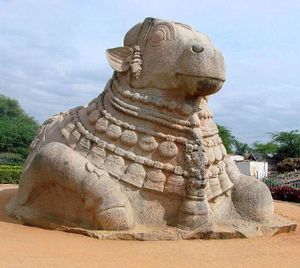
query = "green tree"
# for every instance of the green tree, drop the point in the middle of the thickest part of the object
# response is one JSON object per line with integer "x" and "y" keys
{"x": 264, "y": 149}
{"x": 242, "y": 148}
{"x": 283, "y": 144}
{"x": 17, "y": 129}
{"x": 228, "y": 139}
{"x": 288, "y": 143}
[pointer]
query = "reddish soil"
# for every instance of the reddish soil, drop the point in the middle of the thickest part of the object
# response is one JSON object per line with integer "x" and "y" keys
{"x": 24, "y": 246}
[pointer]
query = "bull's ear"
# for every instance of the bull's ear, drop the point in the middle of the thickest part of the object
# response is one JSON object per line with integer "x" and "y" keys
{"x": 119, "y": 58}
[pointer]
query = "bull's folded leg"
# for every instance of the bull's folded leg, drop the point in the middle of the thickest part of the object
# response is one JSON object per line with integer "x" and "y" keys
{"x": 253, "y": 199}
{"x": 60, "y": 187}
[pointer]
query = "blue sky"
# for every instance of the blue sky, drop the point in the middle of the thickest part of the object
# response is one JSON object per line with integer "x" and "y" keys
{"x": 52, "y": 55}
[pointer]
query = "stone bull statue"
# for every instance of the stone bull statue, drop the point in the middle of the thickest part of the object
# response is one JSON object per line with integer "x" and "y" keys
{"x": 145, "y": 151}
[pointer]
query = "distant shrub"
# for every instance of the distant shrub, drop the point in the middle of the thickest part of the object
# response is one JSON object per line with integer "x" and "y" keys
{"x": 285, "y": 193}
{"x": 10, "y": 174}
{"x": 17, "y": 129}
{"x": 289, "y": 164}
{"x": 11, "y": 159}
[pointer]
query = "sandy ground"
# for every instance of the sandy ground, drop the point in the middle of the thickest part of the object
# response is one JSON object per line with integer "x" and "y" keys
{"x": 24, "y": 246}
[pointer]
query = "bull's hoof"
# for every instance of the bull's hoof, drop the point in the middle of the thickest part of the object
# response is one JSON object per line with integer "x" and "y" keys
{"x": 252, "y": 199}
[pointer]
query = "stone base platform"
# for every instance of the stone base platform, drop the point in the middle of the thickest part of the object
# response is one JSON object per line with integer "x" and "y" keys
{"x": 238, "y": 229}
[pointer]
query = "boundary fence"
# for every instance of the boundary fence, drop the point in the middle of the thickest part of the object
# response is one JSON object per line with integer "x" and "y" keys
{"x": 290, "y": 179}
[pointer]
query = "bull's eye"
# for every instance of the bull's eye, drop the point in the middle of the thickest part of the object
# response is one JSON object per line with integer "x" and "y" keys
{"x": 157, "y": 37}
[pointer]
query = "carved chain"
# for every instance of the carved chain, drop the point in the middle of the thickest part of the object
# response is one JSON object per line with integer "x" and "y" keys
{"x": 195, "y": 168}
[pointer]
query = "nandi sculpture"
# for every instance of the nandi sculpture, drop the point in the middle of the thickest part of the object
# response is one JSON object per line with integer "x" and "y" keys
{"x": 145, "y": 151}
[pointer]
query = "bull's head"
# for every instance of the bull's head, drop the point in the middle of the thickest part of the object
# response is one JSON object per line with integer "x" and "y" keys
{"x": 168, "y": 56}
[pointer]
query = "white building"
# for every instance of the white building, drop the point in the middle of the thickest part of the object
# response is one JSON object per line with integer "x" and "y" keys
{"x": 256, "y": 169}
{"x": 237, "y": 157}
{"x": 252, "y": 168}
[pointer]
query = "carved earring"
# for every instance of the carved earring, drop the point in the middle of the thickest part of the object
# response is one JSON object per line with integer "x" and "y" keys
{"x": 136, "y": 62}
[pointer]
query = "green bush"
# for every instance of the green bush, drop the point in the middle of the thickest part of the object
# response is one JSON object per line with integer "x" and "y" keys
{"x": 11, "y": 159}
{"x": 10, "y": 174}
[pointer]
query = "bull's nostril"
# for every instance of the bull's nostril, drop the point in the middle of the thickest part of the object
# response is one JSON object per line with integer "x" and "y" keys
{"x": 197, "y": 49}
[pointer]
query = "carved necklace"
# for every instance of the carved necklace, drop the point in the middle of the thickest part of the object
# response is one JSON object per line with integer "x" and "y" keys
{"x": 149, "y": 115}
{"x": 98, "y": 106}
{"x": 157, "y": 101}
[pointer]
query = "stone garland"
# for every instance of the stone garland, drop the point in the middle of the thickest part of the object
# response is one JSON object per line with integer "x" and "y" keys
{"x": 210, "y": 142}
{"x": 154, "y": 101}
{"x": 82, "y": 141}
{"x": 177, "y": 170}
{"x": 169, "y": 105}
{"x": 218, "y": 182}
{"x": 181, "y": 122}
{"x": 205, "y": 114}
{"x": 149, "y": 117}
{"x": 153, "y": 114}
{"x": 109, "y": 117}
{"x": 207, "y": 131}
{"x": 207, "y": 142}
{"x": 212, "y": 171}
{"x": 75, "y": 133}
